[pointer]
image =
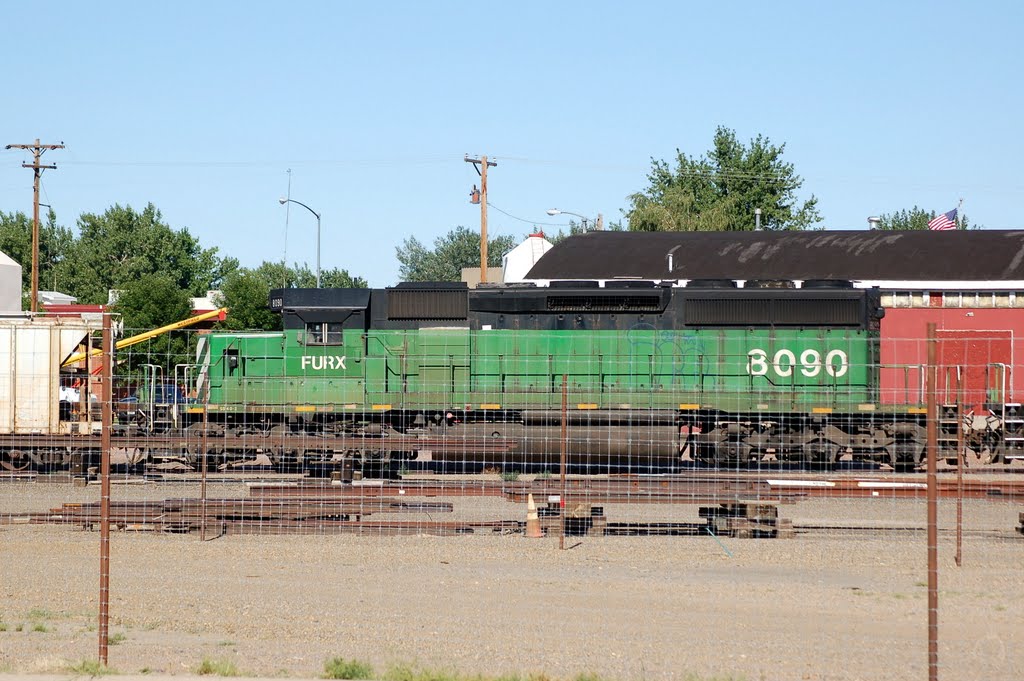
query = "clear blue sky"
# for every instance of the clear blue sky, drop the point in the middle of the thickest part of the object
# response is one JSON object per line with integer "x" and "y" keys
{"x": 200, "y": 108}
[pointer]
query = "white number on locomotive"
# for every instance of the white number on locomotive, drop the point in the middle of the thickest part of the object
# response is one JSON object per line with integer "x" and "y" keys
{"x": 810, "y": 364}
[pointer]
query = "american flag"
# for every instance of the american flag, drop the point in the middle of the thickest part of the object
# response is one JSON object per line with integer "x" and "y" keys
{"x": 944, "y": 221}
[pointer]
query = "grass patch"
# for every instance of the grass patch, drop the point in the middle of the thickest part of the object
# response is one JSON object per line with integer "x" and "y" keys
{"x": 88, "y": 667}
{"x": 921, "y": 584}
{"x": 510, "y": 476}
{"x": 3, "y": 626}
{"x": 40, "y": 628}
{"x": 116, "y": 639}
{"x": 227, "y": 643}
{"x": 40, "y": 614}
{"x": 20, "y": 627}
{"x": 210, "y": 667}
{"x": 340, "y": 668}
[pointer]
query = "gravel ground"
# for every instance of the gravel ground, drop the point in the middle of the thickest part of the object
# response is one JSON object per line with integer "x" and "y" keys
{"x": 825, "y": 605}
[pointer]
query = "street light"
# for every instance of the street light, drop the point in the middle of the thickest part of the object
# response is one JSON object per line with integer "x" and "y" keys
{"x": 283, "y": 201}
{"x": 584, "y": 218}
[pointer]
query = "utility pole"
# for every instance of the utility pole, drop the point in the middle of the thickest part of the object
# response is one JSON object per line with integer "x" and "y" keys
{"x": 481, "y": 164}
{"x": 37, "y": 152}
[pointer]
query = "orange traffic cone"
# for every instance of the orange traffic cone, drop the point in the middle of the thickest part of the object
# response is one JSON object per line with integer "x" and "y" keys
{"x": 533, "y": 530}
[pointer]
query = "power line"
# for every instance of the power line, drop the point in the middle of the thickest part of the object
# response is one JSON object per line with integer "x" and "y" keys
{"x": 529, "y": 222}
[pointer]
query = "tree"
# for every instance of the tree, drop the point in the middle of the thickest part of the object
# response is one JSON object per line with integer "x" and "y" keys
{"x": 721, "y": 190}
{"x": 54, "y": 244}
{"x": 246, "y": 292}
{"x": 577, "y": 228}
{"x": 122, "y": 245}
{"x": 149, "y": 302}
{"x": 457, "y": 249}
{"x": 916, "y": 218}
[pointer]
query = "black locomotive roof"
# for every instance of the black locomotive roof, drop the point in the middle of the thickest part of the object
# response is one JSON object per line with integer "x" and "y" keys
{"x": 971, "y": 255}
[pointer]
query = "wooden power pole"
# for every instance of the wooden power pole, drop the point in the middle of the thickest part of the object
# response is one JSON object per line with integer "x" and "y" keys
{"x": 481, "y": 164}
{"x": 37, "y": 152}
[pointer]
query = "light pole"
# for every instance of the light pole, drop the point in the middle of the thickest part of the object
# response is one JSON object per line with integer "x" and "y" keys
{"x": 583, "y": 218}
{"x": 283, "y": 201}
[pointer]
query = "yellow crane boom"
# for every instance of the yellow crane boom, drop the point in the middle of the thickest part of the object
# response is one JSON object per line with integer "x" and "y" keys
{"x": 126, "y": 342}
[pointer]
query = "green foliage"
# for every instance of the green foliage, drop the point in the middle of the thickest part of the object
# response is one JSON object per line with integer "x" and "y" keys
{"x": 340, "y": 668}
{"x": 721, "y": 190}
{"x": 577, "y": 228}
{"x": 510, "y": 476}
{"x": 89, "y": 667}
{"x": 41, "y": 628}
{"x": 916, "y": 218}
{"x": 152, "y": 301}
{"x": 457, "y": 249}
{"x": 246, "y": 292}
{"x": 122, "y": 245}
{"x": 54, "y": 244}
{"x": 210, "y": 667}
{"x": 117, "y": 639}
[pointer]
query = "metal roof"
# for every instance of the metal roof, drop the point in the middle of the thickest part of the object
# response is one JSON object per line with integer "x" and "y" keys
{"x": 958, "y": 255}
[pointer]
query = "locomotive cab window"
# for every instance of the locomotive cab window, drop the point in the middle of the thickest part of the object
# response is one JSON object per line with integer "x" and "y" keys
{"x": 323, "y": 333}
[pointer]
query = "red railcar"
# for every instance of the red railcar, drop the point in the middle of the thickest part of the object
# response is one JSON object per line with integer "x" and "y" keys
{"x": 980, "y": 340}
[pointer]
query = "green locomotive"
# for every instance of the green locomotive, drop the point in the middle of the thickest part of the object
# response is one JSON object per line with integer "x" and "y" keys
{"x": 644, "y": 375}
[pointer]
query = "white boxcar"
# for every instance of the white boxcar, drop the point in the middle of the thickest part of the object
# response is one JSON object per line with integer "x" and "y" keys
{"x": 31, "y": 352}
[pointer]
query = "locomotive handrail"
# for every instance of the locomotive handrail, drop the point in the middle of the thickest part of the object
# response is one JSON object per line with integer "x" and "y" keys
{"x": 1005, "y": 371}
{"x": 906, "y": 379}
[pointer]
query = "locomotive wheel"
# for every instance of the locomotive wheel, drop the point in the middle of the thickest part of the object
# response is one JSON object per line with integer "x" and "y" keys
{"x": 819, "y": 454}
{"x": 15, "y": 460}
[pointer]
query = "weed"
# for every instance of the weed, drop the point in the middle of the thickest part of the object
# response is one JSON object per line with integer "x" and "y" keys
{"x": 217, "y": 668}
{"x": 921, "y": 584}
{"x": 340, "y": 668}
{"x": 544, "y": 475}
{"x": 407, "y": 673}
{"x": 1000, "y": 608}
{"x": 227, "y": 643}
{"x": 145, "y": 670}
{"x": 89, "y": 667}
{"x": 3, "y": 626}
{"x": 40, "y": 627}
{"x": 116, "y": 639}
{"x": 20, "y": 627}
{"x": 40, "y": 614}
{"x": 510, "y": 476}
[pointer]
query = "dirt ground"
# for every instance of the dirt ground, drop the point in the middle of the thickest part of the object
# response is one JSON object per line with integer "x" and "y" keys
{"x": 828, "y": 604}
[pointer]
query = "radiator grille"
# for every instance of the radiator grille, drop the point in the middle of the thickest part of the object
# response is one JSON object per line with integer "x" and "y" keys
{"x": 773, "y": 312}
{"x": 604, "y": 303}
{"x": 427, "y": 304}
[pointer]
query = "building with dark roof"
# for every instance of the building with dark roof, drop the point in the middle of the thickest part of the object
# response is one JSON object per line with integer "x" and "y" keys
{"x": 875, "y": 256}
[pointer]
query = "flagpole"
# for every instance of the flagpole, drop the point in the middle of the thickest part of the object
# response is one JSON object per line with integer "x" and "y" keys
{"x": 960, "y": 212}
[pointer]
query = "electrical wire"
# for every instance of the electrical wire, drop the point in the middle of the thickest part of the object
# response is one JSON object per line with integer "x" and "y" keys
{"x": 529, "y": 222}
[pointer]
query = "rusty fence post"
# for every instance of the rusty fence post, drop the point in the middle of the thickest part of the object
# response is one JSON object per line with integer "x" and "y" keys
{"x": 933, "y": 535}
{"x": 961, "y": 453}
{"x": 202, "y": 474}
{"x": 565, "y": 445}
{"x": 106, "y": 423}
